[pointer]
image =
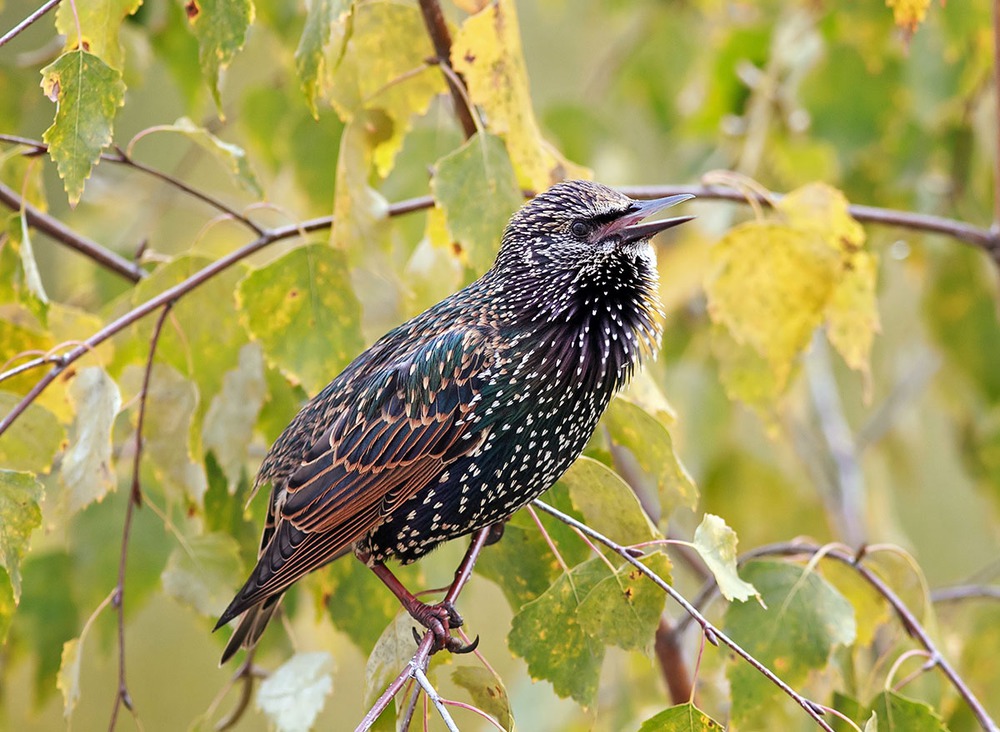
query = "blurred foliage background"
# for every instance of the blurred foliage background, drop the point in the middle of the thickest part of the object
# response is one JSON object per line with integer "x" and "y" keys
{"x": 891, "y": 112}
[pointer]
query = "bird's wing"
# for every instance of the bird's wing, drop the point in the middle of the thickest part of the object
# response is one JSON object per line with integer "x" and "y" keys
{"x": 406, "y": 422}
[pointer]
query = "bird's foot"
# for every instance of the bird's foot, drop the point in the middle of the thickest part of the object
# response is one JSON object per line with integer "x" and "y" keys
{"x": 440, "y": 619}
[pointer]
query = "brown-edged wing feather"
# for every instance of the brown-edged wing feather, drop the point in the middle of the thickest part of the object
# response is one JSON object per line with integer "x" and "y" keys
{"x": 405, "y": 423}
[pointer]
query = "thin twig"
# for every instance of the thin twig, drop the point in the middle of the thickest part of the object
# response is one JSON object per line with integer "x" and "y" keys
{"x": 713, "y": 634}
{"x": 849, "y": 482}
{"x": 966, "y": 592}
{"x": 123, "y": 159}
{"x": 431, "y": 692}
{"x": 62, "y": 233}
{"x": 906, "y": 617}
{"x": 27, "y": 22}
{"x": 122, "y": 696}
{"x": 976, "y": 235}
{"x": 426, "y": 646}
{"x": 437, "y": 29}
{"x": 179, "y": 290}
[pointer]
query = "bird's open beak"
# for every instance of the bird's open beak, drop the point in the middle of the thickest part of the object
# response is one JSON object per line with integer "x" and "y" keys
{"x": 629, "y": 228}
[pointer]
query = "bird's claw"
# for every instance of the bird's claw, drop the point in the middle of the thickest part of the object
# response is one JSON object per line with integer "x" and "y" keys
{"x": 440, "y": 619}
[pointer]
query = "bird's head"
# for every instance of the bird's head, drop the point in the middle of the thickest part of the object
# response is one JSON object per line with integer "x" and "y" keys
{"x": 578, "y": 223}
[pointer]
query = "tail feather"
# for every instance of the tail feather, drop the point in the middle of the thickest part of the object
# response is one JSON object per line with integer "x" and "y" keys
{"x": 250, "y": 627}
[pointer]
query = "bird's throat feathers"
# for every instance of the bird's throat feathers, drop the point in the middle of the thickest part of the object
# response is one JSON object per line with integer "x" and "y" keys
{"x": 592, "y": 323}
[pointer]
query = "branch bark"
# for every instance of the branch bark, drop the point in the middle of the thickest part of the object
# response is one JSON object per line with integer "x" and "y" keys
{"x": 437, "y": 29}
{"x": 63, "y": 234}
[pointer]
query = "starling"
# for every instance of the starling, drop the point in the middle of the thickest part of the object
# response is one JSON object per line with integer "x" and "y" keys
{"x": 472, "y": 409}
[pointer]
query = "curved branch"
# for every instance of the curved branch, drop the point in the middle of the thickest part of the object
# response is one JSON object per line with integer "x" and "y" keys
{"x": 966, "y": 592}
{"x": 62, "y": 233}
{"x": 27, "y": 22}
{"x": 122, "y": 696}
{"x": 712, "y": 634}
{"x": 906, "y": 617}
{"x": 985, "y": 239}
{"x": 437, "y": 29}
{"x": 179, "y": 290}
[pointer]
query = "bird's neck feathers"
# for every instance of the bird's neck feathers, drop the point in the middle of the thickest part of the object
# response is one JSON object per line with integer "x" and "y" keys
{"x": 592, "y": 322}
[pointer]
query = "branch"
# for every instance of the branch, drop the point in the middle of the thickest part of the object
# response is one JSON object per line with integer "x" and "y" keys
{"x": 712, "y": 634}
{"x": 122, "y": 696}
{"x": 120, "y": 157}
{"x": 27, "y": 22}
{"x": 668, "y": 654}
{"x": 179, "y": 290}
{"x": 985, "y": 239}
{"x": 437, "y": 29}
{"x": 62, "y": 233}
{"x": 426, "y": 646}
{"x": 906, "y": 617}
{"x": 966, "y": 592}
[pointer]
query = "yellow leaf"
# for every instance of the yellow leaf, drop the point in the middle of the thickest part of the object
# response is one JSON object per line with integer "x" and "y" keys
{"x": 852, "y": 316}
{"x": 823, "y": 210}
{"x": 384, "y": 68}
{"x": 487, "y": 51}
{"x": 908, "y": 14}
{"x": 772, "y": 287}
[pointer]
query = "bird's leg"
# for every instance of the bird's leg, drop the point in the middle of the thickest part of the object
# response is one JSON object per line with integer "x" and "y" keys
{"x": 439, "y": 618}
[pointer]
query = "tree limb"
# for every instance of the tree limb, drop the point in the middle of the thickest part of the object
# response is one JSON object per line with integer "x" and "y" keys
{"x": 437, "y": 29}
{"x": 27, "y": 22}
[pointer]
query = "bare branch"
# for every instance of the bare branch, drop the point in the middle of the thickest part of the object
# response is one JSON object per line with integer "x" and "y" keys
{"x": 437, "y": 29}
{"x": 122, "y": 696}
{"x": 966, "y": 592}
{"x": 27, "y": 22}
{"x": 672, "y": 665}
{"x": 985, "y": 239}
{"x": 62, "y": 233}
{"x": 906, "y": 617}
{"x": 712, "y": 634}
{"x": 179, "y": 290}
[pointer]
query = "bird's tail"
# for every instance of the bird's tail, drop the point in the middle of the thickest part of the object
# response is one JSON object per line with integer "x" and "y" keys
{"x": 250, "y": 626}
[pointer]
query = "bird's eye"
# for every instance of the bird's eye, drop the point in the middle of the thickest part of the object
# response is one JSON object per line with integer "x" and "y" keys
{"x": 579, "y": 229}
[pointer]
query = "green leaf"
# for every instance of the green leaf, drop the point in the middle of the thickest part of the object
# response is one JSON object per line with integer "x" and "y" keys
{"x": 716, "y": 543}
{"x": 303, "y": 311}
{"x": 94, "y": 26}
{"x": 487, "y": 691}
{"x": 476, "y": 188}
{"x": 22, "y": 282}
{"x": 547, "y": 634}
{"x": 624, "y": 609}
{"x": 68, "y": 679}
{"x": 87, "y": 471}
{"x": 804, "y": 620}
{"x": 293, "y": 696}
{"x": 391, "y": 654}
{"x": 521, "y": 563}
{"x": 384, "y": 68}
{"x": 648, "y": 439}
{"x": 201, "y": 573}
{"x": 232, "y": 157}
{"x": 33, "y": 441}
{"x": 607, "y": 503}
{"x": 361, "y": 607}
{"x": 232, "y": 415}
{"x": 360, "y": 211}
{"x": 47, "y": 615}
{"x": 171, "y": 403}
{"x": 202, "y": 337}
{"x": 682, "y": 718}
{"x": 20, "y": 514}
{"x": 487, "y": 52}
{"x": 327, "y": 29}
{"x": 872, "y": 724}
{"x": 221, "y": 29}
{"x": 7, "y": 604}
{"x": 896, "y": 713}
{"x": 88, "y": 94}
